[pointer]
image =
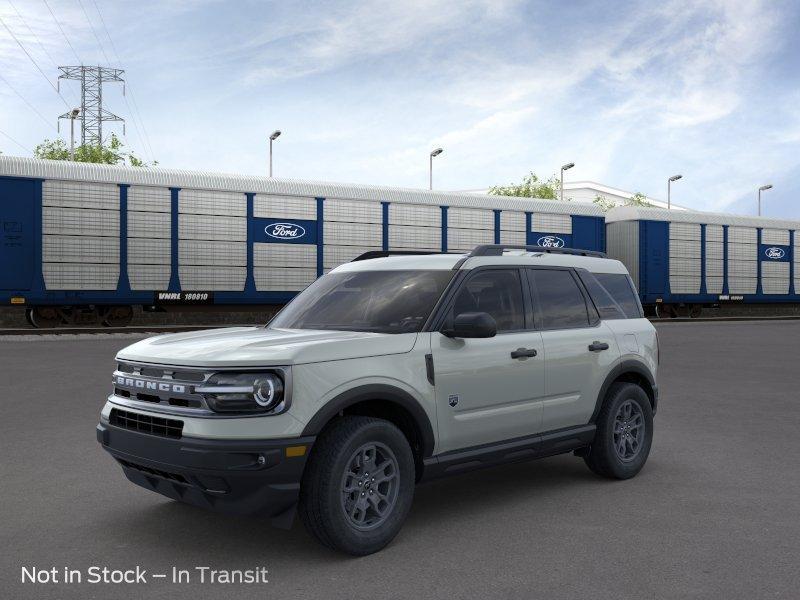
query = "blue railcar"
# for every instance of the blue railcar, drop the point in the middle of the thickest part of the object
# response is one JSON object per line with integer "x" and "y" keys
{"x": 93, "y": 241}
{"x": 682, "y": 261}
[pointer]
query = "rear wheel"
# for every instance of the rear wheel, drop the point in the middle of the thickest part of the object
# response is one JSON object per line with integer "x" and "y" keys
{"x": 624, "y": 433}
{"x": 358, "y": 485}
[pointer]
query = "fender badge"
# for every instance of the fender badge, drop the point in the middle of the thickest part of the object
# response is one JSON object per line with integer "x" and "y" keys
{"x": 453, "y": 399}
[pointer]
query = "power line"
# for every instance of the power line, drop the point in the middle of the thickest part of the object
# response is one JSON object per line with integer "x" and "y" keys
{"x": 136, "y": 114}
{"x": 61, "y": 29}
{"x": 35, "y": 64}
{"x": 16, "y": 142}
{"x": 99, "y": 43}
{"x": 38, "y": 41}
{"x": 21, "y": 97}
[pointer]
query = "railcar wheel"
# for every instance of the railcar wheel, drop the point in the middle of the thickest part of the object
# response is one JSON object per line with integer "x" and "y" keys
{"x": 118, "y": 316}
{"x": 44, "y": 317}
{"x": 695, "y": 311}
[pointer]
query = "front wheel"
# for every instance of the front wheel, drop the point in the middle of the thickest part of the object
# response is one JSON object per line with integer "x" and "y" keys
{"x": 624, "y": 433}
{"x": 358, "y": 485}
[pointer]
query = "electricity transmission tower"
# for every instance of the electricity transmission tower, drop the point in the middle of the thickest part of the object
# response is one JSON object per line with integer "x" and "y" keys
{"x": 92, "y": 113}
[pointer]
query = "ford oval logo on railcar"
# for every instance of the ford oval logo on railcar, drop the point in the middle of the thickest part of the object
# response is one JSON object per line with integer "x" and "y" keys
{"x": 550, "y": 241}
{"x": 775, "y": 253}
{"x": 285, "y": 231}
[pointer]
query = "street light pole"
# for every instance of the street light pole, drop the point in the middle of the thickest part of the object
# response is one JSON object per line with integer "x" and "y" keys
{"x": 273, "y": 136}
{"x": 565, "y": 167}
{"x": 669, "y": 189}
{"x": 763, "y": 188}
{"x": 436, "y": 152}
{"x": 72, "y": 115}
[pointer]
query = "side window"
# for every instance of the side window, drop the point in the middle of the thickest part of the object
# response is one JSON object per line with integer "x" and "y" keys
{"x": 621, "y": 289}
{"x": 560, "y": 300}
{"x": 605, "y": 304}
{"x": 497, "y": 292}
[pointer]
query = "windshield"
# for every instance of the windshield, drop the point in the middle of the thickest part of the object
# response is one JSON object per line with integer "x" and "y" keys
{"x": 379, "y": 301}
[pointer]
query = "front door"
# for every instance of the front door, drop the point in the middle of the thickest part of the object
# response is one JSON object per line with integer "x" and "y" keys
{"x": 17, "y": 198}
{"x": 483, "y": 394}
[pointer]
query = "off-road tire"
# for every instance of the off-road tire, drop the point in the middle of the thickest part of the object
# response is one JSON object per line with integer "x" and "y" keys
{"x": 321, "y": 505}
{"x": 603, "y": 457}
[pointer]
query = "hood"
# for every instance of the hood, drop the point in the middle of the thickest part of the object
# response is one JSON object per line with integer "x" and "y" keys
{"x": 257, "y": 346}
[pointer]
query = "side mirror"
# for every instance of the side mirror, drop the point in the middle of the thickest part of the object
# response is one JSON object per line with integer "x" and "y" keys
{"x": 472, "y": 325}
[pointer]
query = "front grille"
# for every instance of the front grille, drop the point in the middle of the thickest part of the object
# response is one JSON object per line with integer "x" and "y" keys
{"x": 150, "y": 471}
{"x": 169, "y": 428}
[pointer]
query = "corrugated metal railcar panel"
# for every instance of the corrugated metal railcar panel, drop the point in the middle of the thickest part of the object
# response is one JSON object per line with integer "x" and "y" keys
{"x": 149, "y": 277}
{"x": 334, "y": 256}
{"x": 742, "y": 285}
{"x": 551, "y": 223}
{"x": 715, "y": 267}
{"x": 208, "y": 278}
{"x": 684, "y": 284}
{"x": 470, "y": 218}
{"x": 411, "y": 214}
{"x": 747, "y": 252}
{"x": 144, "y": 251}
{"x": 684, "y": 231}
{"x": 149, "y": 199}
{"x": 353, "y": 234}
{"x": 513, "y": 237}
{"x": 684, "y": 266}
{"x": 208, "y": 227}
{"x": 83, "y": 276}
{"x": 714, "y": 285}
{"x": 775, "y": 277}
{"x": 715, "y": 250}
{"x": 285, "y": 255}
{"x": 622, "y": 243}
{"x": 714, "y": 233}
{"x": 76, "y": 221}
{"x": 684, "y": 248}
{"x": 353, "y": 211}
{"x": 149, "y": 225}
{"x": 80, "y": 194}
{"x": 775, "y": 236}
{"x": 72, "y": 248}
{"x": 742, "y": 235}
{"x": 284, "y": 207}
{"x": 204, "y": 202}
{"x": 416, "y": 238}
{"x": 203, "y": 252}
{"x": 284, "y": 280}
{"x": 467, "y": 239}
{"x": 512, "y": 220}
{"x": 742, "y": 268}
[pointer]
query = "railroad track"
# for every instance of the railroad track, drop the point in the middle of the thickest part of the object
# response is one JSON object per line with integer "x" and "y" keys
{"x": 179, "y": 328}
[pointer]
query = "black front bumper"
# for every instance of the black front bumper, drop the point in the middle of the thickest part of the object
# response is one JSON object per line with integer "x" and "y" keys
{"x": 244, "y": 477}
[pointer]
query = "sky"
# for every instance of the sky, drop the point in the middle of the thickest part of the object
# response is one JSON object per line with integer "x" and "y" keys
{"x": 631, "y": 92}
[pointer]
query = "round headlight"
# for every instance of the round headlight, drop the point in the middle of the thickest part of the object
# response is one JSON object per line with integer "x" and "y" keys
{"x": 268, "y": 391}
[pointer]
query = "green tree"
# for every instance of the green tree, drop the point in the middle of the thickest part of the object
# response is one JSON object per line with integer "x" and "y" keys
{"x": 112, "y": 153}
{"x": 531, "y": 187}
{"x": 606, "y": 204}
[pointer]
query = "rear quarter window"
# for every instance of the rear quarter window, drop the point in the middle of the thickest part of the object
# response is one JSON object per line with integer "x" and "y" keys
{"x": 613, "y": 294}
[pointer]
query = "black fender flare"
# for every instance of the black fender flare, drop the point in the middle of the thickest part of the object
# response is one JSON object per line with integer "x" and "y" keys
{"x": 623, "y": 368}
{"x": 376, "y": 391}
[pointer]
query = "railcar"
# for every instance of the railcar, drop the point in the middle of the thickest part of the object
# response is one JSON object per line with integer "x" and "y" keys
{"x": 684, "y": 261}
{"x": 86, "y": 243}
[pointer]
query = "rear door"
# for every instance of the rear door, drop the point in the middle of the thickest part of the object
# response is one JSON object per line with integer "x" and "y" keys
{"x": 483, "y": 393}
{"x": 579, "y": 348}
{"x": 17, "y": 227}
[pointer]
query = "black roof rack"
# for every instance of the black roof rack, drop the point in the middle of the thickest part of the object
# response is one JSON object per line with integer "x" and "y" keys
{"x": 498, "y": 249}
{"x": 386, "y": 253}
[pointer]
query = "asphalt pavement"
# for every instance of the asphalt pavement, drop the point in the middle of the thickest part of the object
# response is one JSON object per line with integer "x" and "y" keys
{"x": 714, "y": 514}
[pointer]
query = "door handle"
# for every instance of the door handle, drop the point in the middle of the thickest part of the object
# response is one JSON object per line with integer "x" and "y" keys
{"x": 523, "y": 353}
{"x": 597, "y": 346}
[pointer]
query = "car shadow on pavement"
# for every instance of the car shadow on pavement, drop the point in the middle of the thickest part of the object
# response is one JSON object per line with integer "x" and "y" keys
{"x": 188, "y": 530}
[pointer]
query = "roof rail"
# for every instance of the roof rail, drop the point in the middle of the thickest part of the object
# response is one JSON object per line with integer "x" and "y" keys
{"x": 498, "y": 249}
{"x": 386, "y": 253}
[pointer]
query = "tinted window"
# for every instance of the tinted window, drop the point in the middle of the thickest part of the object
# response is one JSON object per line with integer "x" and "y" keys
{"x": 605, "y": 304}
{"x": 560, "y": 301}
{"x": 380, "y": 301}
{"x": 621, "y": 289}
{"x": 497, "y": 292}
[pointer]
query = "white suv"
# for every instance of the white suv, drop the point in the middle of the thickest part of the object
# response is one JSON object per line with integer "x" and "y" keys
{"x": 387, "y": 371}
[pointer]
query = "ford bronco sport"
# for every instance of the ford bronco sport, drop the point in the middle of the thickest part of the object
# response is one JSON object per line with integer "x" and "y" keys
{"x": 385, "y": 372}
